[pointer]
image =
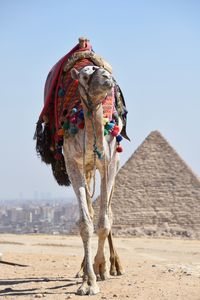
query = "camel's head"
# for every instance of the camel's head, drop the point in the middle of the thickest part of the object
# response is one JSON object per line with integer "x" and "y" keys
{"x": 94, "y": 82}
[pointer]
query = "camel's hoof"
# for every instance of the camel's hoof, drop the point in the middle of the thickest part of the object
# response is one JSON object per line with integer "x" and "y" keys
{"x": 78, "y": 275}
{"x": 101, "y": 271}
{"x": 113, "y": 273}
{"x": 120, "y": 272}
{"x": 104, "y": 276}
{"x": 88, "y": 289}
{"x": 98, "y": 277}
{"x": 93, "y": 290}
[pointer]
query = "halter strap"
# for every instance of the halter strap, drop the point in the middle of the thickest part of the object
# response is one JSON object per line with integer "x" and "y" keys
{"x": 88, "y": 103}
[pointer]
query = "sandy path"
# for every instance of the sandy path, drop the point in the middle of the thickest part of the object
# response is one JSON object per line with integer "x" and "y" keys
{"x": 156, "y": 269}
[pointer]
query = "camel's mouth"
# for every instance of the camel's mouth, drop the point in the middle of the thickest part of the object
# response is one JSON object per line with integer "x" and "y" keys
{"x": 109, "y": 83}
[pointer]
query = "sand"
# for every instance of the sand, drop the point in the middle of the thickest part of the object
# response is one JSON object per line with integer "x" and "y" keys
{"x": 156, "y": 269}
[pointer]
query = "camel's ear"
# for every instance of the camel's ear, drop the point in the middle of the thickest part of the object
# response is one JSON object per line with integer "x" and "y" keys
{"x": 74, "y": 73}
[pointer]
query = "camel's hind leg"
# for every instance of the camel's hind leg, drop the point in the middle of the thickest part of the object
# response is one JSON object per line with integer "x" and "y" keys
{"x": 115, "y": 264}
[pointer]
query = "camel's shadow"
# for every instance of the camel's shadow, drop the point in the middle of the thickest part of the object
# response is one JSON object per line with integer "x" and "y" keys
{"x": 9, "y": 291}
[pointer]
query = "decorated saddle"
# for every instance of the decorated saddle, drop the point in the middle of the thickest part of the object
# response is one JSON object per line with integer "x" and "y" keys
{"x": 62, "y": 112}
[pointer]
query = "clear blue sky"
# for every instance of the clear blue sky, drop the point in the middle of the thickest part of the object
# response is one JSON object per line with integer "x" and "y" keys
{"x": 154, "y": 48}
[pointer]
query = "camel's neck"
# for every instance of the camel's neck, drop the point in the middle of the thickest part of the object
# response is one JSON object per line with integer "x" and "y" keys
{"x": 94, "y": 127}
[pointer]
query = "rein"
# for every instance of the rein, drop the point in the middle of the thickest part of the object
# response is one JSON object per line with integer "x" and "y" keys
{"x": 96, "y": 152}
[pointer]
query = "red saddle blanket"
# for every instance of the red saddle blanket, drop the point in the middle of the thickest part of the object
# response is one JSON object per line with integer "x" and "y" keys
{"x": 61, "y": 100}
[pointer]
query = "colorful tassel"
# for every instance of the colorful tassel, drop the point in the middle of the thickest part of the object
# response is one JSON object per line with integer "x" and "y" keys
{"x": 89, "y": 113}
{"x": 98, "y": 153}
{"x": 61, "y": 92}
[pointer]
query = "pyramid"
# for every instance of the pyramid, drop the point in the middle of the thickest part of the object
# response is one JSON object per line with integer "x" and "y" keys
{"x": 156, "y": 193}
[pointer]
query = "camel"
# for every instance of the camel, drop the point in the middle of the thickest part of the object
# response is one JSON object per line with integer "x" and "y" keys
{"x": 88, "y": 151}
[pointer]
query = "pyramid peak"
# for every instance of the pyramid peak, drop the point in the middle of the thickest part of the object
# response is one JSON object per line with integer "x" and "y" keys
{"x": 155, "y": 134}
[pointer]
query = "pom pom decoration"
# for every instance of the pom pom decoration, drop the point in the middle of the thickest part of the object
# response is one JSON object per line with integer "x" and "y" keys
{"x": 81, "y": 115}
{"x": 74, "y": 110}
{"x": 114, "y": 133}
{"x": 119, "y": 138}
{"x": 105, "y": 131}
{"x": 119, "y": 149}
{"x": 81, "y": 125}
{"x": 60, "y": 132}
{"x": 66, "y": 125}
{"x": 73, "y": 120}
{"x": 105, "y": 120}
{"x": 109, "y": 126}
{"x": 76, "y": 82}
{"x": 116, "y": 128}
{"x": 73, "y": 130}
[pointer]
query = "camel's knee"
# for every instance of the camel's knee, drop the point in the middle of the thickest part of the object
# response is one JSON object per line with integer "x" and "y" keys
{"x": 86, "y": 229}
{"x": 104, "y": 226}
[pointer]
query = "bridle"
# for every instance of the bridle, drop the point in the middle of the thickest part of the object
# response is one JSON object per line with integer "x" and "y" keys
{"x": 88, "y": 102}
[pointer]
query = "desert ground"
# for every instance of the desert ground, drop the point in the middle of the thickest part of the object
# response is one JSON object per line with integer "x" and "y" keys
{"x": 154, "y": 268}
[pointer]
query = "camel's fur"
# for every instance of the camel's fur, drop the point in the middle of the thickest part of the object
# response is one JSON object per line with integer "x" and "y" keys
{"x": 79, "y": 160}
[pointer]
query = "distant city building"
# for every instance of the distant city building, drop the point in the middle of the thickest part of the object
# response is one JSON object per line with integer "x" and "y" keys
{"x": 51, "y": 218}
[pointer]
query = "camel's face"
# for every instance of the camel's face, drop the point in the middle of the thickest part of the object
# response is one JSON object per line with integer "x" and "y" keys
{"x": 94, "y": 82}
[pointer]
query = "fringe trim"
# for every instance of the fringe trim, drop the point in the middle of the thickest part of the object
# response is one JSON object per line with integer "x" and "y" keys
{"x": 43, "y": 148}
{"x": 60, "y": 173}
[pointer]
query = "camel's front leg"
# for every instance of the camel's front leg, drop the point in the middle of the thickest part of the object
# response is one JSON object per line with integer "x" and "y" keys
{"x": 89, "y": 285}
{"x": 104, "y": 223}
{"x": 89, "y": 175}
